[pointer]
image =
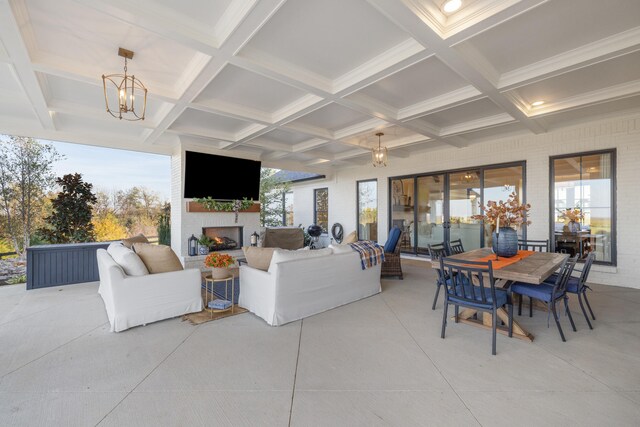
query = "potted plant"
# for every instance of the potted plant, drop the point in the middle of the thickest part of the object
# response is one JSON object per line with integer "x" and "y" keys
{"x": 574, "y": 216}
{"x": 503, "y": 217}
{"x": 219, "y": 263}
{"x": 204, "y": 242}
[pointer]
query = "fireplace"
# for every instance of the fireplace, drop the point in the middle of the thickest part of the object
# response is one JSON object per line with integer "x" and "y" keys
{"x": 224, "y": 238}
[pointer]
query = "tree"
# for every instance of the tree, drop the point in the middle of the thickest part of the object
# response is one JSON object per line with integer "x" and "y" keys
{"x": 26, "y": 173}
{"x": 70, "y": 221}
{"x": 164, "y": 225}
{"x": 107, "y": 228}
{"x": 271, "y": 200}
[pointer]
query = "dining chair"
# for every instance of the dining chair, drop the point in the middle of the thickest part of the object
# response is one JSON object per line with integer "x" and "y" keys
{"x": 455, "y": 247}
{"x": 578, "y": 286}
{"x": 533, "y": 245}
{"x": 549, "y": 293}
{"x": 471, "y": 284}
{"x": 437, "y": 251}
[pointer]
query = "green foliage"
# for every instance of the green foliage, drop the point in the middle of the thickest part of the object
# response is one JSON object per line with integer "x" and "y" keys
{"x": 307, "y": 236}
{"x": 216, "y": 205}
{"x": 17, "y": 279}
{"x": 205, "y": 240}
{"x": 137, "y": 209}
{"x": 70, "y": 221}
{"x": 271, "y": 198}
{"x": 26, "y": 174}
{"x": 164, "y": 225}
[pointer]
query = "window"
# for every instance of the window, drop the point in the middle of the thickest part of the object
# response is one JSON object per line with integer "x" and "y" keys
{"x": 287, "y": 208}
{"x": 499, "y": 183}
{"x": 582, "y": 205}
{"x": 321, "y": 208}
{"x": 368, "y": 210}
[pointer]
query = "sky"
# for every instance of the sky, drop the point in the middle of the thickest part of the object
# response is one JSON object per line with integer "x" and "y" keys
{"x": 111, "y": 169}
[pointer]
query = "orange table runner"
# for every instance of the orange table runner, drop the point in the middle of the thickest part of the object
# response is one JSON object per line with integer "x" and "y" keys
{"x": 502, "y": 261}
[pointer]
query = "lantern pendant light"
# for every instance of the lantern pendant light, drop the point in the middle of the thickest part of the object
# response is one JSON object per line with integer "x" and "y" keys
{"x": 379, "y": 155}
{"x": 123, "y": 89}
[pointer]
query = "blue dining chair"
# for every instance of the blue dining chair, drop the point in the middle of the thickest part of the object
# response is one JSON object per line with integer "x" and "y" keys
{"x": 578, "y": 286}
{"x": 455, "y": 247}
{"x": 471, "y": 284}
{"x": 533, "y": 245}
{"x": 549, "y": 293}
{"x": 437, "y": 251}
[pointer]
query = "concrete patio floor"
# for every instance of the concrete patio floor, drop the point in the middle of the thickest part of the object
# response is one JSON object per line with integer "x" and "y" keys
{"x": 379, "y": 361}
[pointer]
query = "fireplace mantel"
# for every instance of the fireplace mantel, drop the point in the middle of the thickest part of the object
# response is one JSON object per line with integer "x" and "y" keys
{"x": 197, "y": 207}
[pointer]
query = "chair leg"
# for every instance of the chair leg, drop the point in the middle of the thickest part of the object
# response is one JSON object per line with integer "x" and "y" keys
{"x": 494, "y": 316}
{"x": 511, "y": 321}
{"x": 457, "y": 313}
{"x": 444, "y": 316}
{"x": 520, "y": 305}
{"x": 552, "y": 305}
{"x": 435, "y": 299}
{"x": 593, "y": 316}
{"x": 566, "y": 307}
{"x": 584, "y": 311}
{"x": 530, "y": 307}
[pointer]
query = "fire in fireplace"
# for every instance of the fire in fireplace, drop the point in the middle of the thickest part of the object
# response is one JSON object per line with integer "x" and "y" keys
{"x": 224, "y": 238}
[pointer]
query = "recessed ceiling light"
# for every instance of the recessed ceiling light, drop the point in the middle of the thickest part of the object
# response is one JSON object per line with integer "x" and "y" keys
{"x": 537, "y": 103}
{"x": 451, "y": 5}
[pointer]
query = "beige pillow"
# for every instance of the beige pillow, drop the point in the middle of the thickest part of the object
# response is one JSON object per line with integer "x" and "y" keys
{"x": 127, "y": 259}
{"x": 157, "y": 258}
{"x": 258, "y": 258}
{"x": 135, "y": 239}
{"x": 351, "y": 238}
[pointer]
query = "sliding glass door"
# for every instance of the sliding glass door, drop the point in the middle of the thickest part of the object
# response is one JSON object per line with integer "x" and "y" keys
{"x": 439, "y": 207}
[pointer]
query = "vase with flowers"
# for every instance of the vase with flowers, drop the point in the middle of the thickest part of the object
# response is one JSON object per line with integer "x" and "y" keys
{"x": 573, "y": 216}
{"x": 219, "y": 264}
{"x": 504, "y": 217}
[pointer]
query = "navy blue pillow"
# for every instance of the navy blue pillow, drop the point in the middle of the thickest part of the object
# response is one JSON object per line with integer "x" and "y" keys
{"x": 392, "y": 241}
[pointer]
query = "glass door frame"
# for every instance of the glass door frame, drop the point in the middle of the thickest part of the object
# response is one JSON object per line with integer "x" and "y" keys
{"x": 445, "y": 174}
{"x": 358, "y": 182}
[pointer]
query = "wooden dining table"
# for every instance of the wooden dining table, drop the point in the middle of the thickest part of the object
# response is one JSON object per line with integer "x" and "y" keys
{"x": 534, "y": 268}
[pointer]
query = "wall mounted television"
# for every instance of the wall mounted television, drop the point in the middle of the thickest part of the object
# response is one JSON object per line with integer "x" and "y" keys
{"x": 220, "y": 177}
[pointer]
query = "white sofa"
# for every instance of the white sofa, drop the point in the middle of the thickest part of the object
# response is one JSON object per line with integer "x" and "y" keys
{"x": 297, "y": 288}
{"x": 137, "y": 300}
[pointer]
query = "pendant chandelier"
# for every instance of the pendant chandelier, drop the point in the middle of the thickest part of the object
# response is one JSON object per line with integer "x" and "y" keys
{"x": 379, "y": 155}
{"x": 122, "y": 89}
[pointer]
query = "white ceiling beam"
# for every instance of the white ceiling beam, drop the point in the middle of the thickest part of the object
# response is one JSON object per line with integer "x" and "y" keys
{"x": 11, "y": 20}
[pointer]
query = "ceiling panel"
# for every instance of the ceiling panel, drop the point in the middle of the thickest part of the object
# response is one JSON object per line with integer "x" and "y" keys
{"x": 97, "y": 127}
{"x": 205, "y": 12}
{"x": 333, "y": 117}
{"x": 552, "y": 28}
{"x": 414, "y": 84}
{"x": 581, "y": 115}
{"x": 243, "y": 88}
{"x": 283, "y": 137}
{"x": 198, "y": 121}
{"x": 463, "y": 113}
{"x": 328, "y": 38}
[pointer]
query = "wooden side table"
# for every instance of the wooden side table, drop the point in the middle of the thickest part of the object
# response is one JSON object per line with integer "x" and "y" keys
{"x": 209, "y": 281}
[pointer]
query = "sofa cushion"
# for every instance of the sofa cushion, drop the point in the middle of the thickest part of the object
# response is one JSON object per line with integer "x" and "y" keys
{"x": 134, "y": 239}
{"x": 259, "y": 258}
{"x": 280, "y": 255}
{"x": 158, "y": 258}
{"x": 127, "y": 259}
{"x": 341, "y": 249}
{"x": 351, "y": 238}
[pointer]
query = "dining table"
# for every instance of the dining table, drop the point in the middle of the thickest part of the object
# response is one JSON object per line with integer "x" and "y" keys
{"x": 528, "y": 267}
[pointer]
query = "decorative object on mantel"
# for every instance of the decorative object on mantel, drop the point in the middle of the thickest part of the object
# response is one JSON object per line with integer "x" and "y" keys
{"x": 192, "y": 245}
{"x": 208, "y": 204}
{"x": 219, "y": 264}
{"x": 124, "y": 89}
{"x": 503, "y": 216}
{"x": 379, "y": 155}
{"x": 204, "y": 242}
{"x": 574, "y": 216}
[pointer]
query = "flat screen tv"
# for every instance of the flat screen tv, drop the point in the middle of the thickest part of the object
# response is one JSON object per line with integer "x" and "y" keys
{"x": 221, "y": 177}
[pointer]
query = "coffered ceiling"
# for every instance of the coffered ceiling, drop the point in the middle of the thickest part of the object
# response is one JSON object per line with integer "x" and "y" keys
{"x": 306, "y": 84}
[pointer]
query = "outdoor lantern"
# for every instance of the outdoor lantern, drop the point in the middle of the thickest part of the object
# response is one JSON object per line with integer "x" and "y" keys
{"x": 193, "y": 245}
{"x": 254, "y": 239}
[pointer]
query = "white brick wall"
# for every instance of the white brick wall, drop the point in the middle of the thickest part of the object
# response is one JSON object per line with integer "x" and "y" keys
{"x": 622, "y": 133}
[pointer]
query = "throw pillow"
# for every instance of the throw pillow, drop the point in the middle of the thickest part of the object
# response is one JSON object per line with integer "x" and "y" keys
{"x": 135, "y": 239}
{"x": 258, "y": 258}
{"x": 280, "y": 255}
{"x": 130, "y": 262}
{"x": 351, "y": 238}
{"x": 158, "y": 258}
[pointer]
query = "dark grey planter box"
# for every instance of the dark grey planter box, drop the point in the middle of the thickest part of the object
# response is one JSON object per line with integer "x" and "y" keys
{"x": 56, "y": 265}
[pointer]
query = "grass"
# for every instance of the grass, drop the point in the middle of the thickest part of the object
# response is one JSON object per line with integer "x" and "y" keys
{"x": 17, "y": 280}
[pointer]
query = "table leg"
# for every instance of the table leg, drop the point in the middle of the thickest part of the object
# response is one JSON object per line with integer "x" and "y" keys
{"x": 486, "y": 323}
